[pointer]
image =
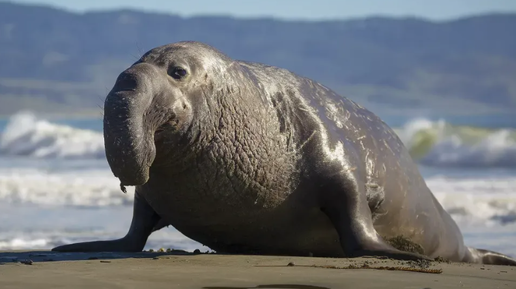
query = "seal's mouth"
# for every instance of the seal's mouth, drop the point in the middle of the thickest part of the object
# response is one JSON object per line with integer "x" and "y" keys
{"x": 163, "y": 130}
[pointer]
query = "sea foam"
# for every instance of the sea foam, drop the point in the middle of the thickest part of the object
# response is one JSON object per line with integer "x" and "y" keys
{"x": 29, "y": 136}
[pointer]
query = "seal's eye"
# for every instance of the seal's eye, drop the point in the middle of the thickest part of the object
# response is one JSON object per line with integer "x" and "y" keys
{"x": 177, "y": 72}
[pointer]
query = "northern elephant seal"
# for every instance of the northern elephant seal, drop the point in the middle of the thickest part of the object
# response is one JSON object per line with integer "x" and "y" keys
{"x": 249, "y": 158}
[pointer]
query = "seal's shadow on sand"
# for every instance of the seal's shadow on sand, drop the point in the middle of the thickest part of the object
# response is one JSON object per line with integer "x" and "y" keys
{"x": 48, "y": 256}
{"x": 273, "y": 286}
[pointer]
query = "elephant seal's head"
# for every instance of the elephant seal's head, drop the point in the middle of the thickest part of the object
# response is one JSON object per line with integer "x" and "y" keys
{"x": 154, "y": 103}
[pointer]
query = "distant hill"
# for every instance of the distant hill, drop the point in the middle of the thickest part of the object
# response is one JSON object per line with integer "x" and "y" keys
{"x": 56, "y": 61}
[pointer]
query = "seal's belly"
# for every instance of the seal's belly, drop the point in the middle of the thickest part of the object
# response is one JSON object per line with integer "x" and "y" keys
{"x": 271, "y": 233}
{"x": 248, "y": 228}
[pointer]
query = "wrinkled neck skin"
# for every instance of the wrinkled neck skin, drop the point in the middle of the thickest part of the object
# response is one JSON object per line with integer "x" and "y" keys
{"x": 232, "y": 149}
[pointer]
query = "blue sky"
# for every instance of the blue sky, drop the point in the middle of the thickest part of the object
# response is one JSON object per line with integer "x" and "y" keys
{"x": 299, "y": 9}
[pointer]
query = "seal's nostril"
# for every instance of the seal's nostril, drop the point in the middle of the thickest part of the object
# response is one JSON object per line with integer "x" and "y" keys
{"x": 126, "y": 82}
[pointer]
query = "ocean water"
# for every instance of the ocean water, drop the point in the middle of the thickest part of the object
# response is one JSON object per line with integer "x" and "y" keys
{"x": 56, "y": 186}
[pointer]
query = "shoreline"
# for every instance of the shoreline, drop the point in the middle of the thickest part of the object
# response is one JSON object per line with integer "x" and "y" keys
{"x": 181, "y": 269}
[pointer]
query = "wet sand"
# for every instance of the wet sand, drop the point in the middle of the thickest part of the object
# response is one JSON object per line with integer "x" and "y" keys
{"x": 43, "y": 269}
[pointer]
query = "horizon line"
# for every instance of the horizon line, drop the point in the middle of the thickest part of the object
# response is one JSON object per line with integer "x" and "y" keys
{"x": 254, "y": 17}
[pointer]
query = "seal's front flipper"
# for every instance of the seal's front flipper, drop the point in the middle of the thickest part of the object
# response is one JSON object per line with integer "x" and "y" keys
{"x": 491, "y": 257}
{"x": 142, "y": 225}
{"x": 344, "y": 202}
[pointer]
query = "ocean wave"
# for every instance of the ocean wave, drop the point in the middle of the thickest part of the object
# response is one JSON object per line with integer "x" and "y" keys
{"x": 27, "y": 135}
{"x": 431, "y": 143}
{"x": 35, "y": 240}
{"x": 88, "y": 188}
{"x": 441, "y": 144}
{"x": 477, "y": 200}
{"x": 485, "y": 201}
{"x": 44, "y": 227}
{"x": 173, "y": 241}
{"x": 50, "y": 213}
{"x": 19, "y": 244}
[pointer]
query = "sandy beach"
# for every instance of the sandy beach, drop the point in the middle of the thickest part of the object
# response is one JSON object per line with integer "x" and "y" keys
{"x": 43, "y": 269}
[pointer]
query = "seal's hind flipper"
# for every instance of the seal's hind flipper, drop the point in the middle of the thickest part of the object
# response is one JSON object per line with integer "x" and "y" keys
{"x": 347, "y": 208}
{"x": 492, "y": 258}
